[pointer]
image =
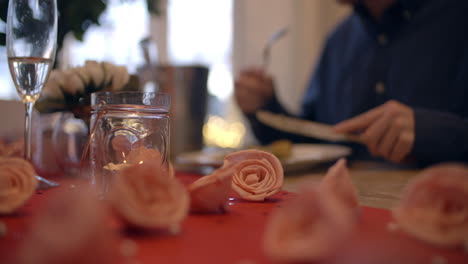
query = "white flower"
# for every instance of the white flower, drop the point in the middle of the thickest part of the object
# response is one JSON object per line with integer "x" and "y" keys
{"x": 104, "y": 76}
{"x": 52, "y": 88}
{"x": 120, "y": 78}
{"x": 115, "y": 76}
{"x": 73, "y": 82}
{"x": 96, "y": 72}
{"x": 83, "y": 74}
{"x": 108, "y": 70}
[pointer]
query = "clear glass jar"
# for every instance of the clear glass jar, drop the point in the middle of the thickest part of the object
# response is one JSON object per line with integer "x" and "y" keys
{"x": 127, "y": 128}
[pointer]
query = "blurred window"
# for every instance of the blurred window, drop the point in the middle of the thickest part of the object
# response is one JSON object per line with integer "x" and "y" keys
{"x": 200, "y": 32}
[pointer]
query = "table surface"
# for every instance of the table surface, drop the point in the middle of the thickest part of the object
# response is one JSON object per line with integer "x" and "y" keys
{"x": 379, "y": 185}
{"x": 236, "y": 237}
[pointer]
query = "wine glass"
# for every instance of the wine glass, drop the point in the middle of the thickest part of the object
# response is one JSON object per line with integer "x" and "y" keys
{"x": 31, "y": 39}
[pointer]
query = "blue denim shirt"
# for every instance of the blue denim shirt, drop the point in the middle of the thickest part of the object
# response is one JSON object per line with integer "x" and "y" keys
{"x": 416, "y": 54}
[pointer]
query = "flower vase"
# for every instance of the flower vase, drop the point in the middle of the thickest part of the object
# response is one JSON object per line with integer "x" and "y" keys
{"x": 69, "y": 139}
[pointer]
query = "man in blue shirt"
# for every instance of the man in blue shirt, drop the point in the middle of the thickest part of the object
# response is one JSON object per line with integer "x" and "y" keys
{"x": 395, "y": 72}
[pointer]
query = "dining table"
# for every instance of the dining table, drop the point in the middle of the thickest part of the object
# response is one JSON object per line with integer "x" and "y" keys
{"x": 236, "y": 236}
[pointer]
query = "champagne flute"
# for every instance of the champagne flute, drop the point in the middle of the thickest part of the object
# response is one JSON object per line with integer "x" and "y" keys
{"x": 31, "y": 39}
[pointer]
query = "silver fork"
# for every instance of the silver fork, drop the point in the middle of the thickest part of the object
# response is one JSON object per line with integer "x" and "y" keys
{"x": 277, "y": 35}
{"x": 45, "y": 184}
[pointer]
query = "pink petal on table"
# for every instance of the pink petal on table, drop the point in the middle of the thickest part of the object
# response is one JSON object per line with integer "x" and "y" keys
{"x": 311, "y": 226}
{"x": 338, "y": 182}
{"x": 434, "y": 206}
{"x": 148, "y": 196}
{"x": 71, "y": 228}
{"x": 210, "y": 193}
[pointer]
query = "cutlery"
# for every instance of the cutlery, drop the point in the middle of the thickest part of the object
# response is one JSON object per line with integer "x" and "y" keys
{"x": 45, "y": 184}
{"x": 304, "y": 127}
{"x": 272, "y": 40}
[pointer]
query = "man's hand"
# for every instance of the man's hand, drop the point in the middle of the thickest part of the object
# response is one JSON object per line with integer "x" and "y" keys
{"x": 253, "y": 89}
{"x": 387, "y": 130}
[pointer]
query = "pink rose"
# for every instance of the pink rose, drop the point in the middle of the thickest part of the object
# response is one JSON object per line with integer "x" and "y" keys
{"x": 147, "y": 196}
{"x": 434, "y": 206}
{"x": 310, "y": 227}
{"x": 258, "y": 174}
{"x": 72, "y": 227}
{"x": 17, "y": 183}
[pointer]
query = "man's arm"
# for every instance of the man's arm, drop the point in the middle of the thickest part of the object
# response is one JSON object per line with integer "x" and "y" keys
{"x": 398, "y": 132}
{"x": 440, "y": 136}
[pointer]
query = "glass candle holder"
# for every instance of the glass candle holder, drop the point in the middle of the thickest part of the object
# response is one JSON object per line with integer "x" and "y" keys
{"x": 127, "y": 128}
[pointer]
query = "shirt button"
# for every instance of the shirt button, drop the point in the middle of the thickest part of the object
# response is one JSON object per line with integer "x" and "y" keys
{"x": 380, "y": 88}
{"x": 382, "y": 39}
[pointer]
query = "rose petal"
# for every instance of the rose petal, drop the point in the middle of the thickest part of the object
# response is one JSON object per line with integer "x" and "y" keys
{"x": 146, "y": 196}
{"x": 338, "y": 182}
{"x": 310, "y": 227}
{"x": 434, "y": 206}
{"x": 210, "y": 193}
{"x": 17, "y": 183}
{"x": 71, "y": 228}
{"x": 258, "y": 174}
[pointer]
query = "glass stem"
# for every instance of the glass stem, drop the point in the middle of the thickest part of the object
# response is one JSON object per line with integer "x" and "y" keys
{"x": 28, "y": 131}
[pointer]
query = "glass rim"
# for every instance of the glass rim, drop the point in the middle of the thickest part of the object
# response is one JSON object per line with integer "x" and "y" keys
{"x": 159, "y": 100}
{"x": 127, "y": 92}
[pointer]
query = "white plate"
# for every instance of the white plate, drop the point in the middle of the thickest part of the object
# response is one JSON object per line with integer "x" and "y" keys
{"x": 302, "y": 156}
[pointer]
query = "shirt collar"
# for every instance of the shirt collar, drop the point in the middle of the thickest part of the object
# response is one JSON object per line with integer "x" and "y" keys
{"x": 393, "y": 18}
{"x": 407, "y": 5}
{"x": 412, "y": 5}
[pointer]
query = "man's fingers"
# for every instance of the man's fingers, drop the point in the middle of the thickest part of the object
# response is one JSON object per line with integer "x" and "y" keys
{"x": 246, "y": 100}
{"x": 374, "y": 134}
{"x": 402, "y": 148}
{"x": 248, "y": 83}
{"x": 359, "y": 122}
{"x": 385, "y": 146}
{"x": 249, "y": 99}
{"x": 252, "y": 71}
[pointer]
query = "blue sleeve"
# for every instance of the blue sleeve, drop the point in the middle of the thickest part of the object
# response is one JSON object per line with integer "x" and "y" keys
{"x": 442, "y": 136}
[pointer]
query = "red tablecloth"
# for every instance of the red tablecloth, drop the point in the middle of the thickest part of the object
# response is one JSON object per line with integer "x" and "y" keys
{"x": 236, "y": 237}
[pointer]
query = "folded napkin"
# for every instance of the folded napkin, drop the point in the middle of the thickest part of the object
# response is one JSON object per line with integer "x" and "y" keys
{"x": 17, "y": 183}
